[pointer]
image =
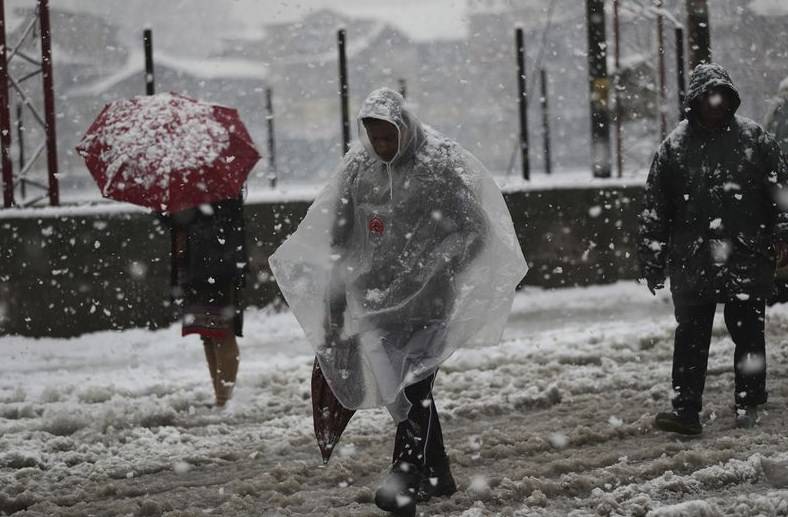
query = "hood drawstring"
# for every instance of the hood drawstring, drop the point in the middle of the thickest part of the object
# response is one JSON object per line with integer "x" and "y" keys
{"x": 388, "y": 163}
{"x": 391, "y": 182}
{"x": 386, "y": 104}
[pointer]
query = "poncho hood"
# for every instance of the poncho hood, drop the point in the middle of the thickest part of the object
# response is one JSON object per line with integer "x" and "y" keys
{"x": 387, "y": 105}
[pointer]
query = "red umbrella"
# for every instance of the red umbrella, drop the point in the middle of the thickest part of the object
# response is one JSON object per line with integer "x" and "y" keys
{"x": 168, "y": 152}
{"x": 330, "y": 416}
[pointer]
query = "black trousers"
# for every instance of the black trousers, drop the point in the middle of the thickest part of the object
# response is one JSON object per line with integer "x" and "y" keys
{"x": 419, "y": 438}
{"x": 746, "y": 322}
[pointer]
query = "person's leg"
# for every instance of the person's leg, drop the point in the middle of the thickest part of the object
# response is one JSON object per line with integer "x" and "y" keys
{"x": 419, "y": 442}
{"x": 746, "y": 324}
{"x": 691, "y": 354}
{"x": 227, "y": 359}
{"x": 690, "y": 359}
{"x": 210, "y": 357}
{"x": 420, "y": 433}
{"x": 438, "y": 480}
{"x": 418, "y": 438}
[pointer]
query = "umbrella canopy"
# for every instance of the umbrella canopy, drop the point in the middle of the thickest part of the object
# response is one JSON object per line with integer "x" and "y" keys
{"x": 329, "y": 415}
{"x": 168, "y": 152}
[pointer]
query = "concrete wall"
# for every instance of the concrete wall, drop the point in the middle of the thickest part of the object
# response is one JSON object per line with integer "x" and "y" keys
{"x": 63, "y": 274}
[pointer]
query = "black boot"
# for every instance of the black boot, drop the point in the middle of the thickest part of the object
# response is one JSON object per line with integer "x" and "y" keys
{"x": 437, "y": 481}
{"x": 682, "y": 422}
{"x": 747, "y": 417}
{"x": 398, "y": 491}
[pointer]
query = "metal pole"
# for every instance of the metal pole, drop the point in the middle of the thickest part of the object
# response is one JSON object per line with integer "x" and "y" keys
{"x": 698, "y": 32}
{"x": 20, "y": 135}
{"x": 663, "y": 90}
{"x": 548, "y": 165}
{"x": 522, "y": 97}
{"x": 269, "y": 117}
{"x": 150, "y": 84}
{"x": 403, "y": 88}
{"x": 680, "y": 69}
{"x": 150, "y": 89}
{"x": 5, "y": 117}
{"x": 343, "y": 91}
{"x": 617, "y": 88}
{"x": 599, "y": 86}
{"x": 49, "y": 101}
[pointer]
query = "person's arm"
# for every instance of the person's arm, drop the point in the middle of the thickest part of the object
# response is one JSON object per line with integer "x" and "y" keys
{"x": 464, "y": 226}
{"x": 654, "y": 223}
{"x": 774, "y": 114}
{"x": 460, "y": 247}
{"x": 341, "y": 229}
{"x": 776, "y": 185}
{"x": 232, "y": 231}
{"x": 165, "y": 220}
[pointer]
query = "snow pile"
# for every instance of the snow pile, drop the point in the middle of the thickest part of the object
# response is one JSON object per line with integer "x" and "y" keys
{"x": 148, "y": 137}
{"x": 555, "y": 420}
{"x": 686, "y": 509}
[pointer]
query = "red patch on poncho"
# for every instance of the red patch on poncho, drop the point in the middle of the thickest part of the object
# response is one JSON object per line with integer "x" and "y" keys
{"x": 376, "y": 225}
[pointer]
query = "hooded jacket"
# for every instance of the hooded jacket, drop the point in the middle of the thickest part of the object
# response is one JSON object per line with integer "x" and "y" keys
{"x": 714, "y": 203}
{"x": 399, "y": 262}
{"x": 215, "y": 255}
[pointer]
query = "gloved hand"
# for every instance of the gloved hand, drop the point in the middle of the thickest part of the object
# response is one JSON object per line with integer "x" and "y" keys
{"x": 655, "y": 284}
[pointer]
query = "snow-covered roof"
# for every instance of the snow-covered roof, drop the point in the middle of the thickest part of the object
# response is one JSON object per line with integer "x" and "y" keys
{"x": 489, "y": 6}
{"x": 769, "y": 7}
{"x": 223, "y": 68}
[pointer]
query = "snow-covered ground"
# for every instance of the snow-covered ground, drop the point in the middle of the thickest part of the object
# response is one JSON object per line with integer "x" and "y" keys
{"x": 554, "y": 420}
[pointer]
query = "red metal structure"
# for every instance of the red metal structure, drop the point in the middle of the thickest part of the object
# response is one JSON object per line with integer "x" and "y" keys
{"x": 33, "y": 67}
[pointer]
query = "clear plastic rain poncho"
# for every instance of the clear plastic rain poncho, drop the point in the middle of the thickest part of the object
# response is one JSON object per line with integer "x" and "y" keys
{"x": 399, "y": 263}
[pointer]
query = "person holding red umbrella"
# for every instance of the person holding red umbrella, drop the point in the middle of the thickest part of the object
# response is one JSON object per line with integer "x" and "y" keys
{"x": 209, "y": 272}
{"x": 187, "y": 161}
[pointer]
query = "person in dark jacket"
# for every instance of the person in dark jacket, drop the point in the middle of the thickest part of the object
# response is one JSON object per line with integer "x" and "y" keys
{"x": 714, "y": 207}
{"x": 210, "y": 261}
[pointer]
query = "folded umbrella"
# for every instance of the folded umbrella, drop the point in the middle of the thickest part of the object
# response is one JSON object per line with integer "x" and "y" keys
{"x": 330, "y": 416}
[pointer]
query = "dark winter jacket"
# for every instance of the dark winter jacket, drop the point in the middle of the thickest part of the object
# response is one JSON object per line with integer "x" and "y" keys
{"x": 777, "y": 120}
{"x": 712, "y": 207}
{"x": 215, "y": 254}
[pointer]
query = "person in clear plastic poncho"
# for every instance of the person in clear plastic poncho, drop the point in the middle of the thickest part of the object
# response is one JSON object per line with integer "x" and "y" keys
{"x": 407, "y": 254}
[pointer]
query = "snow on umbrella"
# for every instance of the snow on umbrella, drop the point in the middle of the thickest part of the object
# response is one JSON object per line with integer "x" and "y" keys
{"x": 168, "y": 152}
{"x": 329, "y": 415}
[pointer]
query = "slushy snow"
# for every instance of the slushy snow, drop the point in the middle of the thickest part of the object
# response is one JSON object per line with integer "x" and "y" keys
{"x": 556, "y": 420}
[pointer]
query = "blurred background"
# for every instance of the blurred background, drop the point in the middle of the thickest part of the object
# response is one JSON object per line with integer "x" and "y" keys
{"x": 455, "y": 58}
